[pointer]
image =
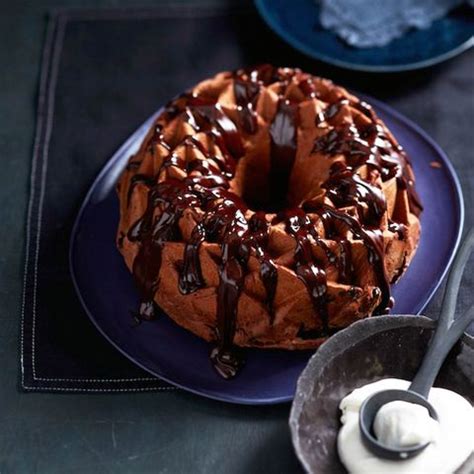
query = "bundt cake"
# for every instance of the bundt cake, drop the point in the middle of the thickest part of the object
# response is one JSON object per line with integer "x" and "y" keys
{"x": 267, "y": 208}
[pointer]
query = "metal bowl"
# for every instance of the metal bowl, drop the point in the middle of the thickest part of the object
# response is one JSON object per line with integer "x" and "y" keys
{"x": 368, "y": 350}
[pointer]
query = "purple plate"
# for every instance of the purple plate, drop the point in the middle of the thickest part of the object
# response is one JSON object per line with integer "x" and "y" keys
{"x": 107, "y": 292}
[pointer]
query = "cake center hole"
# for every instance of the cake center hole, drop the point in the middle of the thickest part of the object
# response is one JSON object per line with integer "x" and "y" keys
{"x": 265, "y": 188}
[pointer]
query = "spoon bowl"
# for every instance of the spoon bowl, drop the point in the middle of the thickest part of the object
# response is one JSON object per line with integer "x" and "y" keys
{"x": 369, "y": 410}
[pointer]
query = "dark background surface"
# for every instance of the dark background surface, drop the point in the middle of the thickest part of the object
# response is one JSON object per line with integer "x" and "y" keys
{"x": 164, "y": 432}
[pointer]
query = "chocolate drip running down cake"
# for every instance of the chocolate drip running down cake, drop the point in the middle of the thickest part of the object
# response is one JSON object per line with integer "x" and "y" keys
{"x": 267, "y": 208}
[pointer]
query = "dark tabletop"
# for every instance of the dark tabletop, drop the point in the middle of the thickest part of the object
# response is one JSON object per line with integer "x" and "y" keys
{"x": 169, "y": 432}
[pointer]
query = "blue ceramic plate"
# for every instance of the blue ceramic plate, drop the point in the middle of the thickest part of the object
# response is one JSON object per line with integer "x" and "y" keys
{"x": 107, "y": 292}
{"x": 297, "y": 22}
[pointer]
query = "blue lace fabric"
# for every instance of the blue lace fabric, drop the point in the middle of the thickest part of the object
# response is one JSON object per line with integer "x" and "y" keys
{"x": 372, "y": 23}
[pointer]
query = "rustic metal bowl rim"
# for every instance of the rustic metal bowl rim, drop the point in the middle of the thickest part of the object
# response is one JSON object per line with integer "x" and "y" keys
{"x": 337, "y": 344}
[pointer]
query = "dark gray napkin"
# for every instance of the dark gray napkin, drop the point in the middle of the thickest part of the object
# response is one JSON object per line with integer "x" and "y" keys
{"x": 103, "y": 73}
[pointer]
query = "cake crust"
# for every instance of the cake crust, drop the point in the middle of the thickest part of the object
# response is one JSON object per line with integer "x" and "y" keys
{"x": 267, "y": 208}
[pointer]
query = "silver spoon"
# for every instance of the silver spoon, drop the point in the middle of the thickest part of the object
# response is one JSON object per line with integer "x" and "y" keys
{"x": 448, "y": 331}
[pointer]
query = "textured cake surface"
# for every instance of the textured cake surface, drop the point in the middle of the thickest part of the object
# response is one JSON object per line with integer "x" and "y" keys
{"x": 267, "y": 208}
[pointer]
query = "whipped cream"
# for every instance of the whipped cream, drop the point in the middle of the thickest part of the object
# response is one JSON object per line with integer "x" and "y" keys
{"x": 400, "y": 424}
{"x": 452, "y": 440}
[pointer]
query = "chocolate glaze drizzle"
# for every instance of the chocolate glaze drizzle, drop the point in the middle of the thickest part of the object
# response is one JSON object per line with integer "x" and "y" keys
{"x": 346, "y": 188}
{"x": 372, "y": 238}
{"x": 372, "y": 147}
{"x": 225, "y": 218}
{"x": 246, "y": 95}
{"x": 283, "y": 150}
{"x": 300, "y": 227}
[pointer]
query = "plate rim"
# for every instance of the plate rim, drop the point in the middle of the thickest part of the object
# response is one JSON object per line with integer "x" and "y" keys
{"x": 242, "y": 400}
{"x": 285, "y": 35}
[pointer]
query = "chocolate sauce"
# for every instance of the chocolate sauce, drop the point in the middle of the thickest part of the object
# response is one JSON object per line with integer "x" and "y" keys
{"x": 333, "y": 109}
{"x": 398, "y": 228}
{"x": 344, "y": 141}
{"x": 225, "y": 219}
{"x": 391, "y": 161}
{"x": 259, "y": 229}
{"x": 153, "y": 231}
{"x": 300, "y": 227}
{"x": 308, "y": 88}
{"x": 190, "y": 278}
{"x": 265, "y": 74}
{"x": 219, "y": 121}
{"x": 283, "y": 150}
{"x": 133, "y": 165}
{"x": 374, "y": 148}
{"x": 120, "y": 239}
{"x": 345, "y": 187}
{"x": 158, "y": 138}
{"x": 246, "y": 94}
{"x": 373, "y": 240}
{"x": 204, "y": 114}
{"x": 138, "y": 179}
{"x": 344, "y": 262}
{"x": 232, "y": 272}
{"x": 227, "y": 361}
{"x": 147, "y": 311}
{"x": 225, "y": 222}
{"x": 365, "y": 108}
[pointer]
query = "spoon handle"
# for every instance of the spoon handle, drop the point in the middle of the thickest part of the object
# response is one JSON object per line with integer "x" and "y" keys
{"x": 448, "y": 306}
{"x": 447, "y": 331}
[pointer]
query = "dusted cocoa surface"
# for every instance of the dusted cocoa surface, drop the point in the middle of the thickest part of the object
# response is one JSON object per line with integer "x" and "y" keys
{"x": 267, "y": 208}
